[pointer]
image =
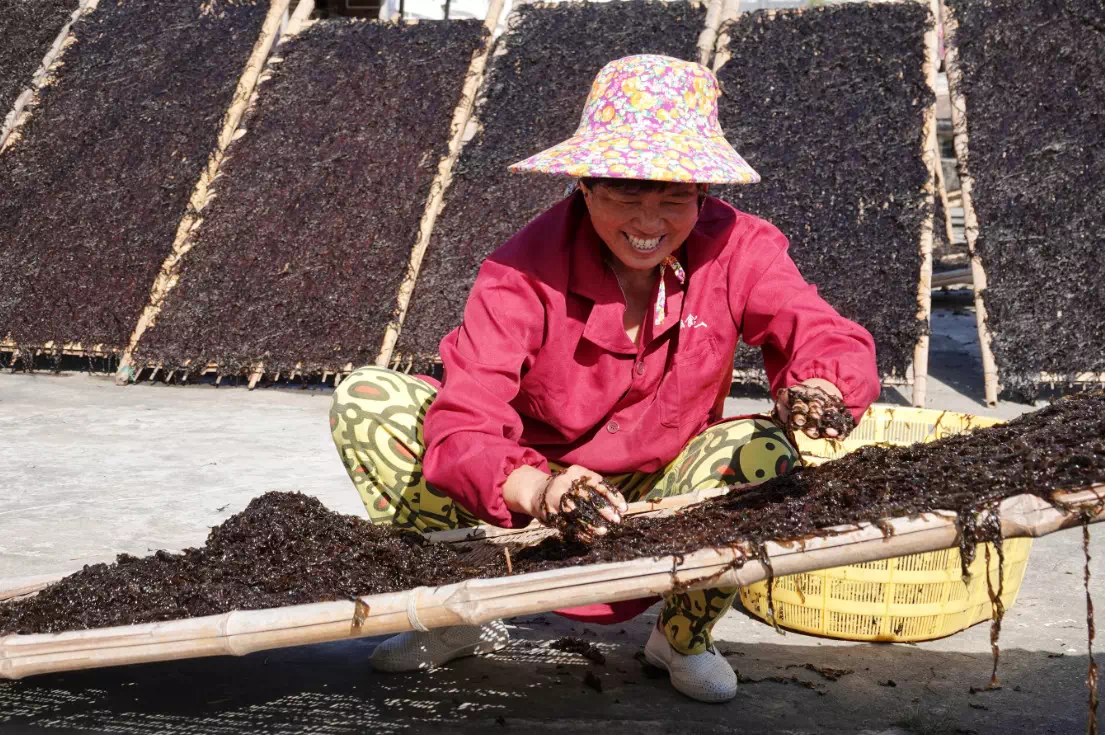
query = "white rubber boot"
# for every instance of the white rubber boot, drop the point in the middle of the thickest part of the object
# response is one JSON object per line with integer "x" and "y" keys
{"x": 420, "y": 651}
{"x": 707, "y": 677}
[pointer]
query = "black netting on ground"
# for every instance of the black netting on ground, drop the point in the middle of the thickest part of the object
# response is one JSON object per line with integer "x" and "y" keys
{"x": 91, "y": 196}
{"x": 300, "y": 256}
{"x": 533, "y": 99}
{"x": 827, "y": 105}
{"x": 1034, "y": 82}
{"x": 27, "y": 29}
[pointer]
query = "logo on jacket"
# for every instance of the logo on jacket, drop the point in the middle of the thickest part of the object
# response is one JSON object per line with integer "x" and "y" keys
{"x": 692, "y": 322}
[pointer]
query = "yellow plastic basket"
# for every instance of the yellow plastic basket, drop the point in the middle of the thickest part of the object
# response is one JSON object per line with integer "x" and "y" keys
{"x": 909, "y": 598}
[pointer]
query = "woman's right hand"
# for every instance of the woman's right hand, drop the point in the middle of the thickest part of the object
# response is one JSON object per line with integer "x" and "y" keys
{"x": 528, "y": 490}
{"x": 561, "y": 498}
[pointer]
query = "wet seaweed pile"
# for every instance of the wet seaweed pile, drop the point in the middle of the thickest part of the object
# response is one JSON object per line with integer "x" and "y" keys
{"x": 283, "y": 549}
{"x": 532, "y": 99}
{"x": 1031, "y": 73}
{"x": 300, "y": 256}
{"x": 27, "y": 28}
{"x": 827, "y": 105}
{"x": 97, "y": 185}
{"x": 1058, "y": 447}
{"x": 286, "y": 548}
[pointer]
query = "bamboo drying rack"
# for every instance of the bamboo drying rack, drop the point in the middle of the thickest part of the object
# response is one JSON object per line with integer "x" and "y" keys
{"x": 716, "y": 12}
{"x": 9, "y": 136}
{"x": 916, "y": 374}
{"x": 42, "y": 77}
{"x": 931, "y": 155}
{"x": 478, "y": 601}
{"x": 990, "y": 371}
{"x": 463, "y": 128}
{"x": 276, "y": 21}
{"x": 966, "y": 186}
{"x": 170, "y": 273}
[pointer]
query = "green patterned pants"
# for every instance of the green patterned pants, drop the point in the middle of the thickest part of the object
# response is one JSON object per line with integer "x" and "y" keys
{"x": 376, "y": 420}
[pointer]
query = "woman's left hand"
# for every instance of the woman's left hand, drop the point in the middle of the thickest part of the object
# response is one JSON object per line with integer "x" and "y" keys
{"x": 816, "y": 408}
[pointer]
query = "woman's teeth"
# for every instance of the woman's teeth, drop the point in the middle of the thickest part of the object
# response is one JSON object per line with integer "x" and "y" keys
{"x": 640, "y": 243}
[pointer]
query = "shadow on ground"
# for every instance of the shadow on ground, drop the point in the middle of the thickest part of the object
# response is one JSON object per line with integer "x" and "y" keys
{"x": 331, "y": 689}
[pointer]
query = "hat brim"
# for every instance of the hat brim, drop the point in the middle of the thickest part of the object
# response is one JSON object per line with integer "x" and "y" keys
{"x": 658, "y": 156}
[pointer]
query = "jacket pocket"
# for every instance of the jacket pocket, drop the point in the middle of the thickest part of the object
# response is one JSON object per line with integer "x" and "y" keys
{"x": 688, "y": 390}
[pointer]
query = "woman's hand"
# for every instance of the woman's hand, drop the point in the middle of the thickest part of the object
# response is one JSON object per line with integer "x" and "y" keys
{"x": 814, "y": 407}
{"x": 578, "y": 500}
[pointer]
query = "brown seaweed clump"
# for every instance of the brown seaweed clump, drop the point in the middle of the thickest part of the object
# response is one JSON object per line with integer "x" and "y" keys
{"x": 283, "y": 549}
{"x": 286, "y": 548}
{"x": 589, "y": 651}
{"x": 816, "y": 413}
{"x": 1060, "y": 447}
{"x": 579, "y": 512}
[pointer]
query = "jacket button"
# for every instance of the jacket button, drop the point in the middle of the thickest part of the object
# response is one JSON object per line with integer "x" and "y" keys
{"x": 613, "y": 427}
{"x": 641, "y": 367}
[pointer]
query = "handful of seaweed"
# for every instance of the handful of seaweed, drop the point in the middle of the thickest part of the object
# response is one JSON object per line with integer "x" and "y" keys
{"x": 815, "y": 413}
{"x": 579, "y": 512}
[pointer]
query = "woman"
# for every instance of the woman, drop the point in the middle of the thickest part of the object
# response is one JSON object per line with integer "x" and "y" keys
{"x": 599, "y": 342}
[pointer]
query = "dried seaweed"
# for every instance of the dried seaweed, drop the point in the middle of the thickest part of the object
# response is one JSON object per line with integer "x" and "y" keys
{"x": 589, "y": 651}
{"x": 532, "y": 99}
{"x": 300, "y": 256}
{"x": 95, "y": 188}
{"x": 827, "y": 105}
{"x": 1058, "y": 447}
{"x": 285, "y": 548}
{"x": 27, "y": 28}
{"x": 1031, "y": 74}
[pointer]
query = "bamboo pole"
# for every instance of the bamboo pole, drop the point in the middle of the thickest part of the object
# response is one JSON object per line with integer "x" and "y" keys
{"x": 41, "y": 77}
{"x": 462, "y": 115}
{"x": 255, "y": 375}
{"x": 970, "y": 221}
{"x": 730, "y": 9}
{"x": 14, "y": 589}
{"x": 708, "y": 37}
{"x": 1078, "y": 379}
{"x": 942, "y": 192}
{"x": 169, "y": 273}
{"x": 931, "y": 155}
{"x": 642, "y": 506}
{"x": 476, "y": 601}
{"x": 950, "y": 278}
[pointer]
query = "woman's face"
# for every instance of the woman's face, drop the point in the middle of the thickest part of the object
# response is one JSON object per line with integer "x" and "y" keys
{"x": 641, "y": 228}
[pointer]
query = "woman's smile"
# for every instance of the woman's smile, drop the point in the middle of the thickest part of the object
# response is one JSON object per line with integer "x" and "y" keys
{"x": 644, "y": 244}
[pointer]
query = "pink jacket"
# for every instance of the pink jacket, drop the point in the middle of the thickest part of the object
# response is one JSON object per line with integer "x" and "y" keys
{"x": 542, "y": 369}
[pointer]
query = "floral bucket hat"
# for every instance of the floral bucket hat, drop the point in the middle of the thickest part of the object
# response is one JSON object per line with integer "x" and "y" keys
{"x": 648, "y": 117}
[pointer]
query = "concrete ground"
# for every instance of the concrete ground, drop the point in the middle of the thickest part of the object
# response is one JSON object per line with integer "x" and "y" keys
{"x": 92, "y": 470}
